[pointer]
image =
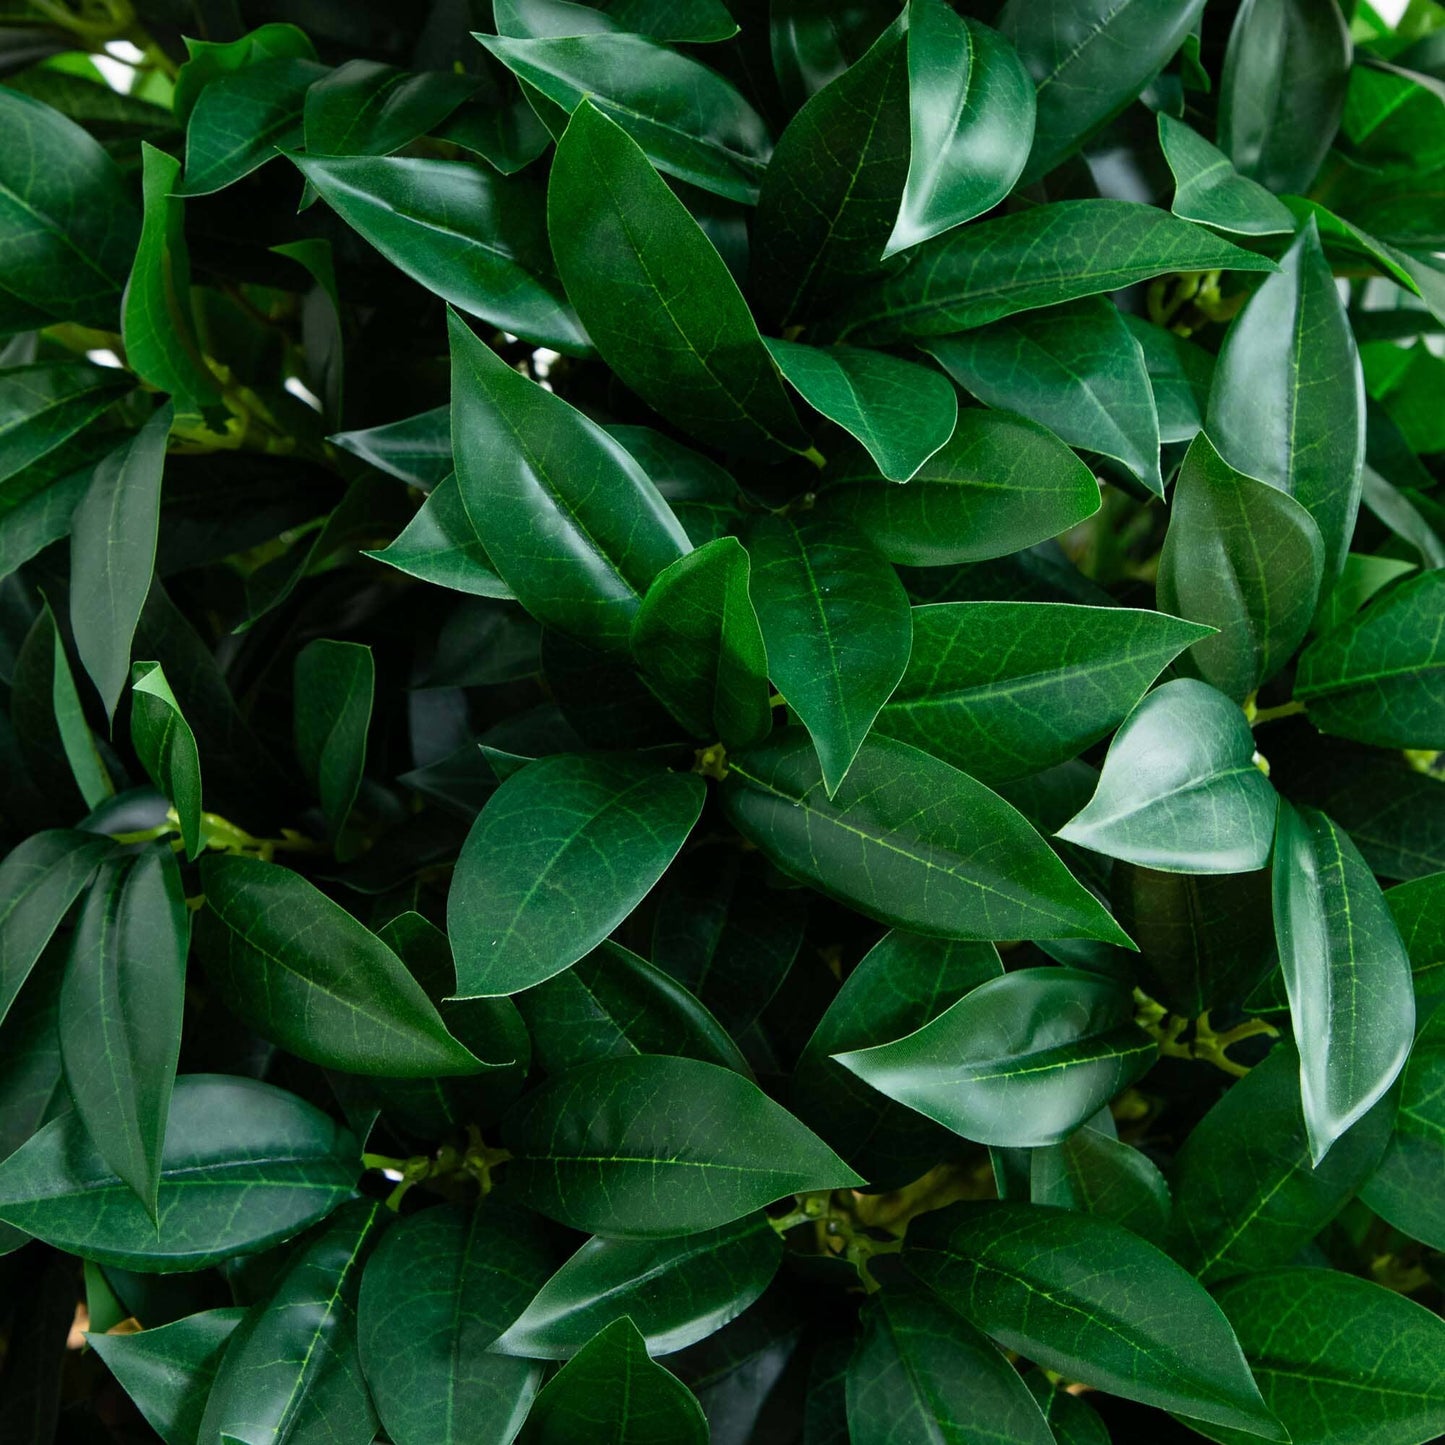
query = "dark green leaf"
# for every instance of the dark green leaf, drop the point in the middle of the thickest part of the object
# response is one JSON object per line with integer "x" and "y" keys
{"x": 1351, "y": 1002}
{"x": 334, "y": 687}
{"x": 1179, "y": 789}
{"x": 676, "y": 1291}
{"x": 1091, "y": 1300}
{"x": 441, "y": 546}
{"x": 365, "y": 108}
{"x": 655, "y": 295}
{"x": 910, "y": 841}
{"x": 417, "y": 450}
{"x": 1093, "y": 1172}
{"x": 42, "y": 406}
{"x": 1209, "y": 190}
{"x": 1180, "y": 373}
{"x": 572, "y": 523}
{"x": 563, "y": 851}
{"x": 304, "y": 973}
{"x": 245, "y": 1165}
{"x": 1021, "y": 1061}
{"x": 651, "y": 1148}
{"x": 1000, "y": 484}
{"x": 698, "y": 491}
{"x": 837, "y": 626}
{"x": 76, "y": 739}
{"x": 167, "y": 749}
{"x": 1005, "y": 689}
{"x": 211, "y": 59}
{"x": 1418, "y": 909}
{"x": 1242, "y": 557}
{"x": 442, "y": 1285}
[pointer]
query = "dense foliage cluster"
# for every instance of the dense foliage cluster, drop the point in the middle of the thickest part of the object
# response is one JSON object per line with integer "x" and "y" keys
{"x": 720, "y": 718}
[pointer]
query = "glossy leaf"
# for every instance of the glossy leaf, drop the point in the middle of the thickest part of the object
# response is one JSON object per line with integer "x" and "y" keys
{"x": 364, "y": 108}
{"x": 1179, "y": 789}
{"x": 652, "y": 1148}
{"x": 1092, "y": 1172}
{"x": 1380, "y": 677}
{"x": 303, "y": 972}
{"x": 76, "y": 739}
{"x": 691, "y": 123}
{"x": 1208, "y": 189}
{"x": 1416, "y": 909}
{"x": 910, "y": 841}
{"x": 656, "y": 297}
{"x": 1242, "y": 557}
{"x": 1020, "y": 1062}
{"x": 698, "y": 645}
{"x": 611, "y": 1390}
{"x": 440, "y": 1288}
{"x": 1180, "y": 373}
{"x": 47, "y": 403}
{"x": 416, "y": 450}
{"x": 1000, "y": 483}
{"x": 922, "y": 1372}
{"x": 1089, "y": 61}
{"x": 1091, "y": 1300}
{"x": 211, "y": 59}
{"x": 574, "y": 526}
{"x": 1057, "y": 252}
{"x": 1076, "y": 370}
{"x": 971, "y": 122}
{"x": 112, "y": 552}
{"x": 335, "y": 684}
{"x": 167, "y": 748}
{"x": 675, "y": 1291}
{"x": 1004, "y": 689}
{"x": 901, "y": 412}
{"x": 837, "y": 626}
{"x": 478, "y": 240}
{"x": 1287, "y": 404}
{"x": 563, "y": 851}
{"x": 1352, "y": 1006}
{"x": 245, "y": 1165}
{"x": 441, "y": 546}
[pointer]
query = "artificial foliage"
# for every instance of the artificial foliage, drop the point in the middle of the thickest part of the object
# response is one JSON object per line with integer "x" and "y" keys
{"x": 722, "y": 719}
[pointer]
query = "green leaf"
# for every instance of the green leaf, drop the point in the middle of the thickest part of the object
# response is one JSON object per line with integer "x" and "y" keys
{"x": 563, "y": 851}
{"x": 611, "y": 1390}
{"x": 68, "y": 225}
{"x": 1075, "y": 369}
{"x": 1180, "y": 373}
{"x": 1001, "y": 483}
{"x": 900, "y": 984}
{"x": 1089, "y": 1299}
{"x": 1340, "y": 1360}
{"x": 442, "y": 1285}
{"x": 1352, "y": 1005}
{"x": 121, "y": 1009}
{"x": 699, "y": 648}
{"x": 245, "y": 1165}
{"x": 922, "y": 1372}
{"x": 365, "y": 108}
{"x": 39, "y": 880}
{"x": 1089, "y": 61}
{"x": 688, "y": 120}
{"x": 573, "y": 524}
{"x": 42, "y": 406}
{"x": 1283, "y": 89}
{"x": 909, "y": 841}
{"x": 166, "y": 746}
{"x": 1418, "y": 913}
{"x": 1209, "y": 190}
{"x": 1179, "y": 790}
{"x": 901, "y": 412}
{"x": 416, "y": 450}
{"x": 1246, "y": 559}
{"x": 830, "y": 197}
{"x": 112, "y": 554}
{"x": 1092, "y": 1172}
{"x": 1380, "y": 677}
{"x": 1288, "y": 400}
{"x": 1005, "y": 689}
{"x": 837, "y": 626}
{"x": 241, "y": 120}
{"x": 971, "y": 122}
{"x": 334, "y": 687}
{"x": 76, "y": 739}
{"x": 210, "y": 59}
{"x": 652, "y": 1148}
{"x": 655, "y": 295}
{"x": 698, "y": 491}
{"x": 1247, "y": 1195}
{"x": 157, "y": 325}
{"x": 1039, "y": 257}
{"x": 675, "y": 1291}
{"x": 441, "y": 546}
{"x": 291, "y": 1370}
{"x": 168, "y": 1371}
{"x": 477, "y": 240}
{"x": 302, "y": 972}
{"x": 1020, "y": 1062}
{"x": 613, "y": 1004}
